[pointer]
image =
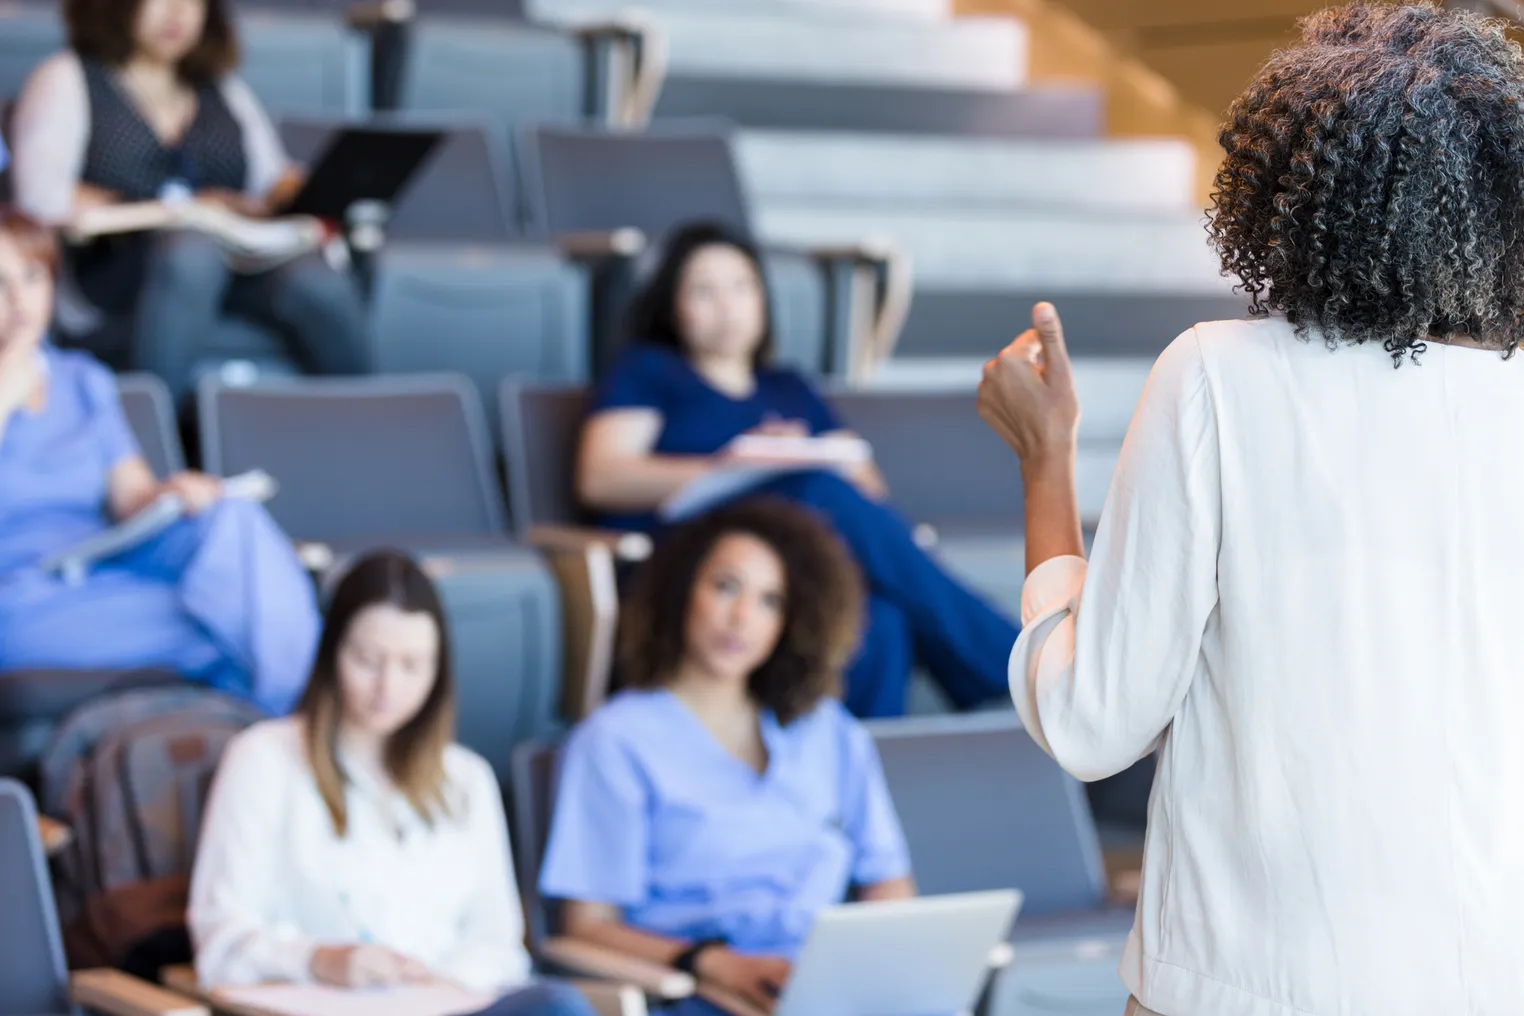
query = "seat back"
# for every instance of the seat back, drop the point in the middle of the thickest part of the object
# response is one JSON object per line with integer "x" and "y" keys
{"x": 585, "y": 180}
{"x": 486, "y": 312}
{"x": 301, "y": 64}
{"x": 944, "y": 466}
{"x": 359, "y": 459}
{"x": 534, "y": 802}
{"x": 33, "y": 975}
{"x": 29, "y": 34}
{"x": 542, "y": 425}
{"x": 984, "y": 808}
{"x": 146, "y": 402}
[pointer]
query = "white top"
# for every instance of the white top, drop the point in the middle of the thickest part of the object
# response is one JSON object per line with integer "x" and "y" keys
{"x": 1308, "y": 579}
{"x": 51, "y": 132}
{"x": 272, "y": 880}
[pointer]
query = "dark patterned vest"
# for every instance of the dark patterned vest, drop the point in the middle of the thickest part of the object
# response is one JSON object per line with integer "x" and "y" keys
{"x": 126, "y": 157}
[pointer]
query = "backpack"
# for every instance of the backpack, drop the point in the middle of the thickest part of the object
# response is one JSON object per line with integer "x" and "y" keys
{"x": 129, "y": 773}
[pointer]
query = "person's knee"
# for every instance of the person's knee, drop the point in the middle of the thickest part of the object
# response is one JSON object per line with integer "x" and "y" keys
{"x": 180, "y": 258}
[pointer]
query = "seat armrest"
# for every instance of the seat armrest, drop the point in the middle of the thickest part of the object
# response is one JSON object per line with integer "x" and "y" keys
{"x": 584, "y": 562}
{"x": 118, "y": 994}
{"x": 625, "y": 546}
{"x": 607, "y": 999}
{"x": 597, "y": 246}
{"x": 635, "y": 59}
{"x": 366, "y": 14}
{"x": 875, "y": 279}
{"x": 607, "y": 964}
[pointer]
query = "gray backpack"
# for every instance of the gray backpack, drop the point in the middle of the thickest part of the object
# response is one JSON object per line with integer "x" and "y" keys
{"x": 129, "y": 774}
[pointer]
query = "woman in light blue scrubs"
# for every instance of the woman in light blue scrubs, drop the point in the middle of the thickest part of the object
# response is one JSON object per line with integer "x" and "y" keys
{"x": 220, "y": 597}
{"x": 706, "y": 814}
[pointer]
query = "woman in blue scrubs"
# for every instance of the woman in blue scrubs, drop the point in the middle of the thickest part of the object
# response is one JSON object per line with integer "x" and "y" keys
{"x": 219, "y": 597}
{"x": 698, "y": 378}
{"x": 706, "y": 814}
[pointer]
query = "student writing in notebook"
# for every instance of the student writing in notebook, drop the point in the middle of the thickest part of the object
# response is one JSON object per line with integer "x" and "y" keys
{"x": 354, "y": 844}
{"x": 219, "y": 597}
{"x": 706, "y": 814}
{"x": 145, "y": 106}
{"x": 698, "y": 377}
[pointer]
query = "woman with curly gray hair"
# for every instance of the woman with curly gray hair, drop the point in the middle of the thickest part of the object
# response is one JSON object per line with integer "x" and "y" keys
{"x": 1306, "y": 584}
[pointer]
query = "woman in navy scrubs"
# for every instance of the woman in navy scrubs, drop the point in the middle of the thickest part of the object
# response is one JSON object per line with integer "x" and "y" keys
{"x": 700, "y": 376}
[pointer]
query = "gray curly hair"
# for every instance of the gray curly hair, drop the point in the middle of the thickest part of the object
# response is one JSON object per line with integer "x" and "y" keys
{"x": 1373, "y": 189}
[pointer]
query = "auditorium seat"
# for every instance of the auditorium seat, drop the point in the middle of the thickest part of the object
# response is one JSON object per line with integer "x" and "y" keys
{"x": 34, "y": 976}
{"x": 1015, "y": 819}
{"x": 304, "y": 64}
{"x": 29, "y": 33}
{"x": 484, "y": 311}
{"x": 532, "y": 795}
{"x": 456, "y": 286}
{"x": 585, "y": 184}
{"x": 407, "y": 462}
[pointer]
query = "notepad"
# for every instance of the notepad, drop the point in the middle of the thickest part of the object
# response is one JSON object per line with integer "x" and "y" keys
{"x": 757, "y": 459}
{"x": 318, "y": 1000}
{"x": 161, "y": 513}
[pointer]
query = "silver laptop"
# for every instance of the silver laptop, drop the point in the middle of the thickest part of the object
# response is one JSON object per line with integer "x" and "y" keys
{"x": 920, "y": 957}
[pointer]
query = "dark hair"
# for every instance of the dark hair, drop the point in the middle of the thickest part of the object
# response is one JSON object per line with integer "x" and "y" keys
{"x": 653, "y": 312}
{"x": 414, "y": 755}
{"x": 103, "y": 30}
{"x": 823, "y": 600}
{"x": 1374, "y": 183}
{"x": 36, "y": 241}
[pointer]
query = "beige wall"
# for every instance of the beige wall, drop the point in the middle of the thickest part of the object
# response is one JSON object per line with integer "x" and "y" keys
{"x": 1169, "y": 67}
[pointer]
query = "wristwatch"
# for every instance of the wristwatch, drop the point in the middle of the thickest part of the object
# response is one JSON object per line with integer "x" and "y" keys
{"x": 687, "y": 960}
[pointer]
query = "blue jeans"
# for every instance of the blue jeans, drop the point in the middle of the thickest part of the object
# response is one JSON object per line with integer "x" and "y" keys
{"x": 543, "y": 999}
{"x": 914, "y": 607}
{"x": 187, "y": 287}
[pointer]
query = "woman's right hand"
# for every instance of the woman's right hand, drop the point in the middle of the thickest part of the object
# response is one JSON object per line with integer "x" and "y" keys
{"x": 757, "y": 979}
{"x": 364, "y": 966}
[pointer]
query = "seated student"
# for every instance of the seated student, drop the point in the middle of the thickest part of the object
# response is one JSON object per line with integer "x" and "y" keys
{"x": 354, "y": 844}
{"x": 145, "y": 106}
{"x": 706, "y": 814}
{"x": 697, "y": 379}
{"x": 219, "y": 597}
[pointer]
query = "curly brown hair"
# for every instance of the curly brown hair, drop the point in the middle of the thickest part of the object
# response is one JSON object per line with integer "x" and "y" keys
{"x": 1373, "y": 189}
{"x": 104, "y": 31}
{"x": 823, "y": 604}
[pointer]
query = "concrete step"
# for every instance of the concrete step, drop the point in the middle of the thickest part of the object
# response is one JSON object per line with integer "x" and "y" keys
{"x": 802, "y": 170}
{"x": 976, "y": 323}
{"x": 975, "y": 248}
{"x": 723, "y": 40}
{"x": 1108, "y": 387}
{"x": 1049, "y": 111}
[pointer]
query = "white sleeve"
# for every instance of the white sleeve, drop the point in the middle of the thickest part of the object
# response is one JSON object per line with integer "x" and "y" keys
{"x": 50, "y": 132}
{"x": 262, "y": 148}
{"x": 237, "y": 867}
{"x": 489, "y": 953}
{"x": 1107, "y": 651}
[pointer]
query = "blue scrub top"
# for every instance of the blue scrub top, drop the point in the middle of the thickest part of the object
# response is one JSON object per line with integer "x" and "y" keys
{"x": 697, "y": 418}
{"x": 655, "y": 816}
{"x": 55, "y": 464}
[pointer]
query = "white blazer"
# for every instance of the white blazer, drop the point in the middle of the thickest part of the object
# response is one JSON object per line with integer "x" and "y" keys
{"x": 1308, "y": 580}
{"x": 272, "y": 881}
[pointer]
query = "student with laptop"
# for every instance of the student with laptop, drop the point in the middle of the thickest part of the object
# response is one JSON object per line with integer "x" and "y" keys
{"x": 707, "y": 813}
{"x": 353, "y": 845}
{"x": 145, "y": 106}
